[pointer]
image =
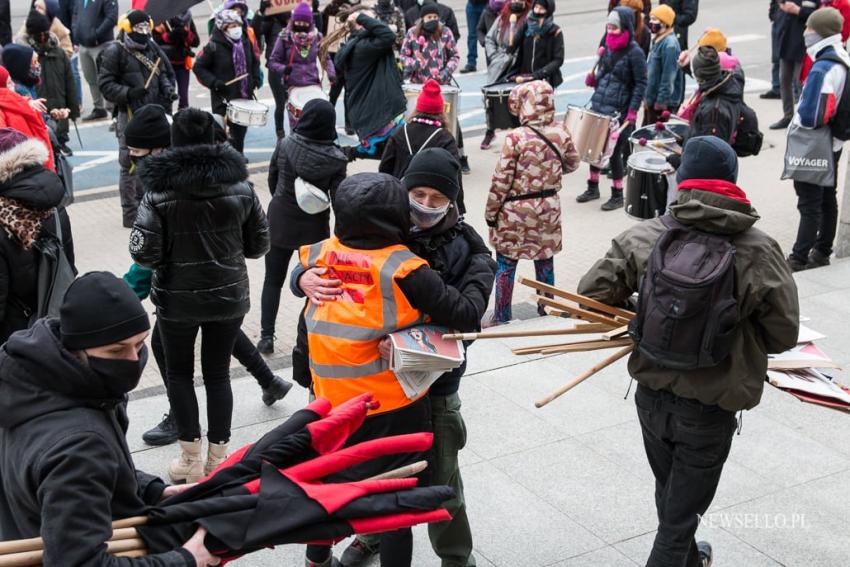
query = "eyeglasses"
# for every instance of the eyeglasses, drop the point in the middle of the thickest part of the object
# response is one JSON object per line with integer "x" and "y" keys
{"x": 144, "y": 27}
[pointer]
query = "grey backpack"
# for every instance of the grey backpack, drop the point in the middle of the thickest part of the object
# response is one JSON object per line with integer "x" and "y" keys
{"x": 687, "y": 312}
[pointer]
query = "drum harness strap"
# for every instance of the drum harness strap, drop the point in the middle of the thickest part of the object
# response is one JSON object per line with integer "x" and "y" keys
{"x": 422, "y": 147}
{"x": 151, "y": 66}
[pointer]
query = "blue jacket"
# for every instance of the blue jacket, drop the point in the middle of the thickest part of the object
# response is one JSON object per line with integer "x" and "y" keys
{"x": 620, "y": 76}
{"x": 822, "y": 90}
{"x": 666, "y": 82}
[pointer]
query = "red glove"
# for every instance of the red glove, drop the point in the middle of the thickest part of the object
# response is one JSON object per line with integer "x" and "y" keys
{"x": 631, "y": 116}
{"x": 590, "y": 80}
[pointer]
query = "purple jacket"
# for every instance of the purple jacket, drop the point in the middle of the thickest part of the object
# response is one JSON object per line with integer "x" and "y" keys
{"x": 297, "y": 70}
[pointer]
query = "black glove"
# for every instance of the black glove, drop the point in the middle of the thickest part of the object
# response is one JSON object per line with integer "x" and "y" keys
{"x": 172, "y": 96}
{"x": 675, "y": 160}
{"x": 136, "y": 94}
{"x": 219, "y": 86}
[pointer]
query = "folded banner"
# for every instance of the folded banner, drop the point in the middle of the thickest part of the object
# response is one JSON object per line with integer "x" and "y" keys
{"x": 809, "y": 157}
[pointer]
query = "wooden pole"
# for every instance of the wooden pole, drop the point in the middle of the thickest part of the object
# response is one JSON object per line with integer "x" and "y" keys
{"x": 577, "y": 298}
{"x": 586, "y": 328}
{"x": 153, "y": 72}
{"x": 581, "y": 313}
{"x": 402, "y": 472}
{"x": 615, "y": 333}
{"x": 580, "y": 346}
{"x": 584, "y": 376}
{"x": 236, "y": 79}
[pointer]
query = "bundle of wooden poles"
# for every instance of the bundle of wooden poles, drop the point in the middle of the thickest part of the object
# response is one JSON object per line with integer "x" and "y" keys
{"x": 591, "y": 316}
{"x": 125, "y": 540}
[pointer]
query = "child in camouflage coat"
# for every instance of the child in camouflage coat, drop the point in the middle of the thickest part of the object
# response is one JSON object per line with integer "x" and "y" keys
{"x": 523, "y": 207}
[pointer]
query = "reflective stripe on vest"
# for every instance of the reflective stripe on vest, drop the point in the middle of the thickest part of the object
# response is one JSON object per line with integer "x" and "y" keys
{"x": 343, "y": 335}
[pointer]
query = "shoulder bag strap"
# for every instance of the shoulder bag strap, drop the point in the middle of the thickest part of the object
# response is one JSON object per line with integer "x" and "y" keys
{"x": 549, "y": 143}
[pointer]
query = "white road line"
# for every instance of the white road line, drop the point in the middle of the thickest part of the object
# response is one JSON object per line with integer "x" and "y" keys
{"x": 105, "y": 157}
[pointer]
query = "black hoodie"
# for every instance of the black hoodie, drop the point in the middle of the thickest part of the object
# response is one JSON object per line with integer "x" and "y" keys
{"x": 65, "y": 467}
{"x": 198, "y": 221}
{"x": 24, "y": 179}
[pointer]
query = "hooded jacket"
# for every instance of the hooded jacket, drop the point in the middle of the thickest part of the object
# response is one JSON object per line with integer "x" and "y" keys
{"x": 66, "y": 470}
{"x": 24, "y": 178}
{"x": 530, "y": 228}
{"x": 214, "y": 67}
{"x": 198, "y": 221}
{"x": 120, "y": 71}
{"x": 94, "y": 22}
{"x": 824, "y": 86}
{"x": 719, "y": 108}
{"x": 540, "y": 56}
{"x": 57, "y": 79}
{"x": 57, "y": 28}
{"x": 620, "y": 75}
{"x": 373, "y": 94}
{"x": 769, "y": 314}
{"x": 321, "y": 163}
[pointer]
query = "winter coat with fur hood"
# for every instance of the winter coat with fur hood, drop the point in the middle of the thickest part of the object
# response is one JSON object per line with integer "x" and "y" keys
{"x": 530, "y": 228}
{"x": 198, "y": 221}
{"x": 25, "y": 181}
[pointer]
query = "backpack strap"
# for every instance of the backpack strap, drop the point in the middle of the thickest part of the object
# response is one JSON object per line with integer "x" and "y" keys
{"x": 425, "y": 143}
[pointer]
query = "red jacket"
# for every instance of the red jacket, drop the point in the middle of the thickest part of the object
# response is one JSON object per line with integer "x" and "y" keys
{"x": 16, "y": 113}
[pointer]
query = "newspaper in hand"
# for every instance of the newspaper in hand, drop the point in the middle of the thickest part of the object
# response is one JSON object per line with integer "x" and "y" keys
{"x": 420, "y": 355}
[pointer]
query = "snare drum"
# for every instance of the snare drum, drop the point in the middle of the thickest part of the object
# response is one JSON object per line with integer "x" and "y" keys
{"x": 590, "y": 131}
{"x": 499, "y": 116}
{"x": 299, "y": 97}
{"x": 647, "y": 185}
{"x": 451, "y": 98}
{"x": 246, "y": 112}
{"x": 669, "y": 137}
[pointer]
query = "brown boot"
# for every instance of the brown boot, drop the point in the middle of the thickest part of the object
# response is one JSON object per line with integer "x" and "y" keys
{"x": 217, "y": 453}
{"x": 188, "y": 467}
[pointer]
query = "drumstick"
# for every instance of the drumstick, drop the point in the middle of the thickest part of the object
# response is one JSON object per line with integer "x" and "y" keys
{"x": 512, "y": 19}
{"x": 654, "y": 147}
{"x": 153, "y": 72}
{"x": 235, "y": 80}
{"x": 584, "y": 376}
{"x": 661, "y": 127}
{"x": 667, "y": 115}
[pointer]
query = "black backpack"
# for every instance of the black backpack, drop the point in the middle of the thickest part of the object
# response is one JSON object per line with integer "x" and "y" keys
{"x": 687, "y": 312}
{"x": 839, "y": 125}
{"x": 748, "y": 137}
{"x": 55, "y": 273}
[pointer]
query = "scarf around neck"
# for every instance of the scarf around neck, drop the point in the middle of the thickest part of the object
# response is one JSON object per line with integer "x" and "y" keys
{"x": 534, "y": 27}
{"x": 240, "y": 63}
{"x": 21, "y": 223}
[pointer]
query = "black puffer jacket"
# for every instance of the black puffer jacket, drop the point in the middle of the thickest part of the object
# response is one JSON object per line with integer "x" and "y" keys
{"x": 24, "y": 178}
{"x": 121, "y": 71}
{"x": 455, "y": 251}
{"x": 214, "y": 67}
{"x": 321, "y": 163}
{"x": 621, "y": 75}
{"x": 67, "y": 471}
{"x": 719, "y": 108}
{"x": 198, "y": 221}
{"x": 373, "y": 94}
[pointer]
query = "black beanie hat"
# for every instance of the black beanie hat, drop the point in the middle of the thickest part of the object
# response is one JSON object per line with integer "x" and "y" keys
{"x": 706, "y": 64}
{"x": 708, "y": 157}
{"x": 317, "y": 121}
{"x": 429, "y": 8}
{"x": 136, "y": 17}
{"x": 37, "y": 23}
{"x": 435, "y": 168}
{"x": 149, "y": 128}
{"x": 100, "y": 309}
{"x": 17, "y": 59}
{"x": 192, "y": 126}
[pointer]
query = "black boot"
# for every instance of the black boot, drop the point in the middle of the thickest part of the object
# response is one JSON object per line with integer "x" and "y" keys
{"x": 276, "y": 390}
{"x": 464, "y": 165}
{"x": 266, "y": 344}
{"x": 615, "y": 202}
{"x": 590, "y": 194}
{"x": 796, "y": 265}
{"x": 817, "y": 259}
{"x": 163, "y": 434}
{"x": 359, "y": 553}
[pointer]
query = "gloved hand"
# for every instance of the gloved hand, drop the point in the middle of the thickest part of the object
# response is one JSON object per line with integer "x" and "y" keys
{"x": 675, "y": 160}
{"x": 219, "y": 86}
{"x": 136, "y": 94}
{"x": 590, "y": 80}
{"x": 172, "y": 96}
{"x": 631, "y": 116}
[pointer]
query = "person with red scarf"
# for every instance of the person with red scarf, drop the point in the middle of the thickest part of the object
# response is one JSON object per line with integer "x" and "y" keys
{"x": 23, "y": 115}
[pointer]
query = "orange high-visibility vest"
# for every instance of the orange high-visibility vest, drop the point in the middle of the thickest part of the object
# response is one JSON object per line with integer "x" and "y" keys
{"x": 343, "y": 335}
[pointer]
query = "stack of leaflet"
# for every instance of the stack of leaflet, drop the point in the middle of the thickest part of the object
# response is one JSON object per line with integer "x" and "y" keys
{"x": 420, "y": 355}
{"x": 808, "y": 374}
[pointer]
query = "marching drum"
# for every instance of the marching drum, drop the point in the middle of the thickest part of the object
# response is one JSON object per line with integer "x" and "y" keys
{"x": 499, "y": 117}
{"x": 648, "y": 186}
{"x": 299, "y": 97}
{"x": 670, "y": 136}
{"x": 590, "y": 132}
{"x": 450, "y": 103}
{"x": 246, "y": 112}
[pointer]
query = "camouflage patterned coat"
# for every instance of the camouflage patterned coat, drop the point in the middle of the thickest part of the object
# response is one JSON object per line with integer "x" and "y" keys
{"x": 530, "y": 229}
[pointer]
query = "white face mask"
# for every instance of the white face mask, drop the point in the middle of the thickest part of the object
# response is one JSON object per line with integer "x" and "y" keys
{"x": 425, "y": 217}
{"x": 234, "y": 33}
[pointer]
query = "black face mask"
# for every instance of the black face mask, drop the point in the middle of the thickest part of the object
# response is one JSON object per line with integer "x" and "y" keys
{"x": 654, "y": 27}
{"x": 119, "y": 376}
{"x": 517, "y": 8}
{"x": 430, "y": 27}
{"x": 140, "y": 38}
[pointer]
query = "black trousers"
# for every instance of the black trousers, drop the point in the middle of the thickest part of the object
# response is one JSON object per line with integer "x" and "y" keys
{"x": 217, "y": 341}
{"x": 280, "y": 95}
{"x": 243, "y": 350}
{"x": 620, "y": 156}
{"x": 236, "y": 136}
{"x": 687, "y": 444}
{"x": 818, "y": 208}
{"x": 277, "y": 264}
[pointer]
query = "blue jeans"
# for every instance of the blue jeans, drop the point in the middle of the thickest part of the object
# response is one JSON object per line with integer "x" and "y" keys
{"x": 473, "y": 13}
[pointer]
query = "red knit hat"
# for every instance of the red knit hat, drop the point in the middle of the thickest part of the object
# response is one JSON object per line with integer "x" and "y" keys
{"x": 4, "y": 77}
{"x": 430, "y": 100}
